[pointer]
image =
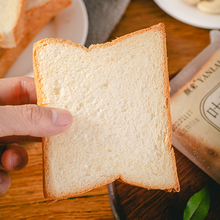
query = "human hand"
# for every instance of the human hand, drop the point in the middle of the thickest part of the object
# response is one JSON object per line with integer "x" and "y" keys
{"x": 21, "y": 120}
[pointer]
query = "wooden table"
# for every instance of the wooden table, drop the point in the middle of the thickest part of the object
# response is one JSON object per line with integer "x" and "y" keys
{"x": 25, "y": 198}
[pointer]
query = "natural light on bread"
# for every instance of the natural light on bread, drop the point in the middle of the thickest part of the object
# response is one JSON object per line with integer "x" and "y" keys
{"x": 118, "y": 94}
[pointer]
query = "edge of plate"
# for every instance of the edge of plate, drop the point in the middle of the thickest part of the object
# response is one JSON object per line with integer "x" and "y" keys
{"x": 195, "y": 24}
{"x": 85, "y": 15}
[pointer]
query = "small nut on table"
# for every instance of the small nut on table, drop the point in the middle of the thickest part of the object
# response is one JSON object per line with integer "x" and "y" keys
{"x": 211, "y": 7}
{"x": 191, "y": 2}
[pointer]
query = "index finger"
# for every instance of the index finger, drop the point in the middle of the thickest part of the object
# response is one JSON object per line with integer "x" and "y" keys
{"x": 17, "y": 91}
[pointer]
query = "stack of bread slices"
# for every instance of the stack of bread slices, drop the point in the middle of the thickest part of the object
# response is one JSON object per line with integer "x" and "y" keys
{"x": 20, "y": 22}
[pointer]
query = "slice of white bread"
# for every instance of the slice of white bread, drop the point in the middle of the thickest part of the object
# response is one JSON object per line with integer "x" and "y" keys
{"x": 119, "y": 97}
{"x": 36, "y": 17}
{"x": 12, "y": 15}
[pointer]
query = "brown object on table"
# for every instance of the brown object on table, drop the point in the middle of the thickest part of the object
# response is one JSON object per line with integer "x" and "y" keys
{"x": 25, "y": 200}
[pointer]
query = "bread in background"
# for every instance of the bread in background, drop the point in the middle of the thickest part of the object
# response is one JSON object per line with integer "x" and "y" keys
{"x": 36, "y": 17}
{"x": 12, "y": 15}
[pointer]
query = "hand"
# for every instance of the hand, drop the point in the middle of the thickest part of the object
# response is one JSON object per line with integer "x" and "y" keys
{"x": 21, "y": 120}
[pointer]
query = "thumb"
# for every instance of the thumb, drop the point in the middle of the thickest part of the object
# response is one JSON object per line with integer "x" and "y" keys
{"x": 33, "y": 120}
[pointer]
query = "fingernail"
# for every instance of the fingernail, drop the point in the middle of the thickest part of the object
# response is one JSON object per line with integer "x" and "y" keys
{"x": 61, "y": 117}
{"x": 15, "y": 159}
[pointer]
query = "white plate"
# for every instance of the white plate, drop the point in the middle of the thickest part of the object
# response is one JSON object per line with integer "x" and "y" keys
{"x": 189, "y": 14}
{"x": 70, "y": 24}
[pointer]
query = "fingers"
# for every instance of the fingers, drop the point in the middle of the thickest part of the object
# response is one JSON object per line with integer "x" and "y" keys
{"x": 5, "y": 182}
{"x": 17, "y": 91}
{"x": 14, "y": 158}
{"x": 33, "y": 120}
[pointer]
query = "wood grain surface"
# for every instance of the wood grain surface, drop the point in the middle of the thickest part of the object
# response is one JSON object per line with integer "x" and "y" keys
{"x": 130, "y": 202}
{"x": 25, "y": 198}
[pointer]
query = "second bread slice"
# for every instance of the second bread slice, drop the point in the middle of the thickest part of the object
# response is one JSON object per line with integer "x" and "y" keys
{"x": 12, "y": 15}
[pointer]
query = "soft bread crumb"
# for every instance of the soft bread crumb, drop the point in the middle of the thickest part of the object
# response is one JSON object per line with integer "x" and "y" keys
{"x": 119, "y": 98}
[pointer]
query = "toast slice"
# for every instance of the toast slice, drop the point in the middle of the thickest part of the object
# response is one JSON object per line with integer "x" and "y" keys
{"x": 38, "y": 14}
{"x": 12, "y": 15}
{"x": 119, "y": 97}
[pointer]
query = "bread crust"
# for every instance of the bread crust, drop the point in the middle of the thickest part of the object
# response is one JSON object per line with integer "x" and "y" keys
{"x": 42, "y": 101}
{"x": 34, "y": 22}
{"x": 20, "y": 25}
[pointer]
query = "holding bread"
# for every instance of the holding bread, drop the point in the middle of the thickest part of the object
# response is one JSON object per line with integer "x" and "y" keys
{"x": 118, "y": 97}
{"x": 20, "y": 21}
